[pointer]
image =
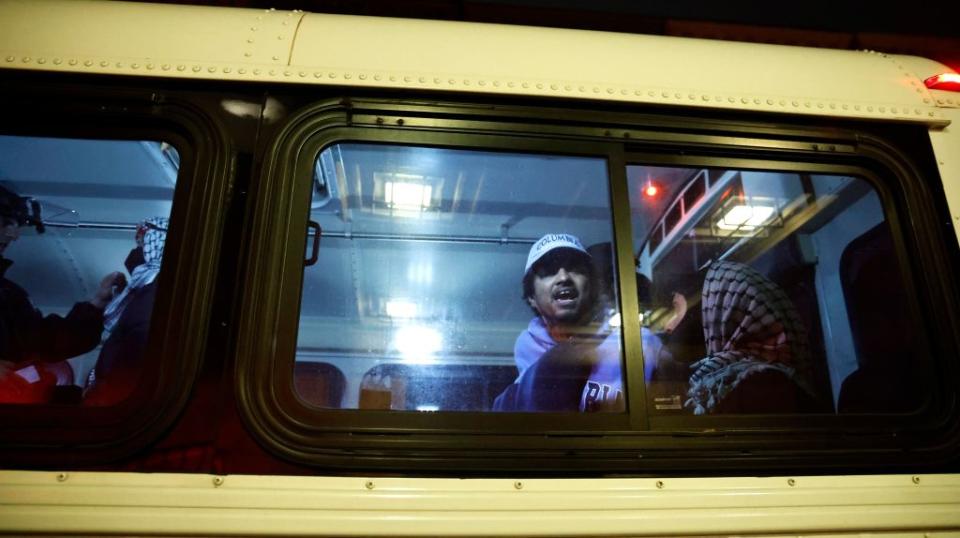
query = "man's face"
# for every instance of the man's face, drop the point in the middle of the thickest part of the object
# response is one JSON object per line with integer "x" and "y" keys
{"x": 562, "y": 291}
{"x": 9, "y": 232}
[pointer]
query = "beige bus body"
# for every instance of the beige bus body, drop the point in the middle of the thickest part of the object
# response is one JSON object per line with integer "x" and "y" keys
{"x": 203, "y": 505}
{"x": 294, "y": 47}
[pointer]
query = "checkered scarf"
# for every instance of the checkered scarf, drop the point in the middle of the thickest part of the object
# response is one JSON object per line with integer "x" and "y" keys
{"x": 151, "y": 235}
{"x": 749, "y": 326}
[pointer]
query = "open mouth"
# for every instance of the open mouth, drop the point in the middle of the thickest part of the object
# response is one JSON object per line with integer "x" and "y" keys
{"x": 566, "y": 295}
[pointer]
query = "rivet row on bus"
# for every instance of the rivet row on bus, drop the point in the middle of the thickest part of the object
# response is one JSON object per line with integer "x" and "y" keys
{"x": 541, "y": 86}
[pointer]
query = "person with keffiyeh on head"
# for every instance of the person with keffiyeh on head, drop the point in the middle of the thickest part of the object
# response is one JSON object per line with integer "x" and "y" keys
{"x": 758, "y": 358}
{"x": 126, "y": 323}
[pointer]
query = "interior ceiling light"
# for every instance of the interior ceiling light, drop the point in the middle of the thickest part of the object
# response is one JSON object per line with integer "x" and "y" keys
{"x": 401, "y": 308}
{"x": 407, "y": 196}
{"x": 651, "y": 189}
{"x": 745, "y": 217}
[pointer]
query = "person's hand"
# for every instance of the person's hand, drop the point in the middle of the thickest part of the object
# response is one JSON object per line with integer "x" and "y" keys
{"x": 110, "y": 286}
{"x": 679, "y": 311}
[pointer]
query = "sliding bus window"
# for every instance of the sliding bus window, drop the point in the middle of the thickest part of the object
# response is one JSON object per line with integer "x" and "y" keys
{"x": 772, "y": 292}
{"x": 84, "y": 227}
{"x": 459, "y": 280}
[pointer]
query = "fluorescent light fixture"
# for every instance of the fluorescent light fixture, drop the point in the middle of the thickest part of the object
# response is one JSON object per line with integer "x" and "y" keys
{"x": 417, "y": 344}
{"x": 401, "y": 308}
{"x": 421, "y": 270}
{"x": 429, "y": 408}
{"x": 408, "y": 196}
{"x": 745, "y": 217}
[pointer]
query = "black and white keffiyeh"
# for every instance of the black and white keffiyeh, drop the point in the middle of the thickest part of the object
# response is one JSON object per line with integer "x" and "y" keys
{"x": 749, "y": 326}
{"x": 151, "y": 236}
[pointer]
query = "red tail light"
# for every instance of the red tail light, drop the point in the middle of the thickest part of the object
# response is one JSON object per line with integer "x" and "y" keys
{"x": 944, "y": 81}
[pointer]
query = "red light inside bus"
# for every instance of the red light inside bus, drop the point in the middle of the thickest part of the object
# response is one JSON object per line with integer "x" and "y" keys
{"x": 651, "y": 190}
{"x": 944, "y": 81}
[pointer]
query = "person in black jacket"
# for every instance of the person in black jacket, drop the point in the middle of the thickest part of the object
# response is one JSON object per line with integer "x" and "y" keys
{"x": 127, "y": 323}
{"x": 27, "y": 337}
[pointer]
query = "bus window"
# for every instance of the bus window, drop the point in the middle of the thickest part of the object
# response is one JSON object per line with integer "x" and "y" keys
{"x": 460, "y": 280}
{"x": 773, "y": 293}
{"x": 84, "y": 227}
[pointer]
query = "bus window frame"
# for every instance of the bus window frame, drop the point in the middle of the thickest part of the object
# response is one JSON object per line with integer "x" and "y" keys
{"x": 373, "y": 421}
{"x": 353, "y": 439}
{"x": 53, "y": 434}
{"x": 893, "y": 209}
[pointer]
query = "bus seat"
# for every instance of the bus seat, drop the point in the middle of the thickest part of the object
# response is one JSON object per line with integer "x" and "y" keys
{"x": 319, "y": 383}
{"x": 884, "y": 339}
{"x": 434, "y": 387}
{"x": 384, "y": 387}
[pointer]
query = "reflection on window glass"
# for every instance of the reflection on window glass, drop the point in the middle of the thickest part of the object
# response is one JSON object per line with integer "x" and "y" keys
{"x": 454, "y": 280}
{"x": 772, "y": 293}
{"x": 83, "y": 232}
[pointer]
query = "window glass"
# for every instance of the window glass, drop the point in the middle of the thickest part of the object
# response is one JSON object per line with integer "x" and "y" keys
{"x": 771, "y": 293}
{"x": 83, "y": 231}
{"x": 456, "y": 280}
